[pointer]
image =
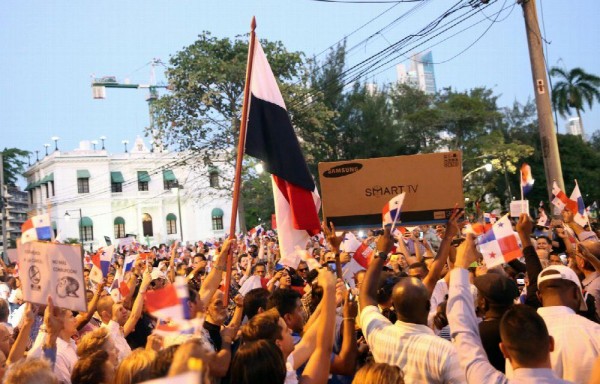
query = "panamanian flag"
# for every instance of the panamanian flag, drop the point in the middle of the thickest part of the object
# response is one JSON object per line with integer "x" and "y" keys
{"x": 526, "y": 179}
{"x": 500, "y": 244}
{"x": 256, "y": 231}
{"x": 271, "y": 139}
{"x": 391, "y": 211}
{"x": 169, "y": 303}
{"x": 36, "y": 228}
{"x": 489, "y": 218}
{"x": 561, "y": 201}
{"x": 361, "y": 252}
{"x": 101, "y": 263}
{"x": 581, "y": 214}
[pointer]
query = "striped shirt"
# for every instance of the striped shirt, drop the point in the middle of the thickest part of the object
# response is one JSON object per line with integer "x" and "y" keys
{"x": 423, "y": 357}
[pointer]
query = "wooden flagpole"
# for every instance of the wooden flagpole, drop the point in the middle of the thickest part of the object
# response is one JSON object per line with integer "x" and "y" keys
{"x": 240, "y": 157}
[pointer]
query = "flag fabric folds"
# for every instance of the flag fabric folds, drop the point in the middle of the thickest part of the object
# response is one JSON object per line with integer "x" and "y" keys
{"x": 270, "y": 138}
{"x": 581, "y": 214}
{"x": 391, "y": 211}
{"x": 489, "y": 218}
{"x": 361, "y": 252}
{"x": 526, "y": 179}
{"x": 500, "y": 244}
{"x": 101, "y": 263}
{"x": 36, "y": 228}
{"x": 256, "y": 231}
{"x": 170, "y": 302}
{"x": 560, "y": 199}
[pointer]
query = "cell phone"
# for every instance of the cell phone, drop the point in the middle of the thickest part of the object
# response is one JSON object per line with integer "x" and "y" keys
{"x": 331, "y": 265}
{"x": 421, "y": 235}
{"x": 520, "y": 281}
{"x": 350, "y": 294}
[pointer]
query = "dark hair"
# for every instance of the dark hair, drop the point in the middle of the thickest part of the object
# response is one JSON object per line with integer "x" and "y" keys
{"x": 258, "y": 362}
{"x": 419, "y": 264}
{"x": 255, "y": 299}
{"x": 264, "y": 326}
{"x": 162, "y": 363}
{"x": 259, "y": 264}
{"x": 90, "y": 369}
{"x": 4, "y": 310}
{"x": 548, "y": 240}
{"x": 524, "y": 334}
{"x": 284, "y": 300}
{"x": 386, "y": 286}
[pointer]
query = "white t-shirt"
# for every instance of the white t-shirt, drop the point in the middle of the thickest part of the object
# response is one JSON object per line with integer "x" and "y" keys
{"x": 290, "y": 375}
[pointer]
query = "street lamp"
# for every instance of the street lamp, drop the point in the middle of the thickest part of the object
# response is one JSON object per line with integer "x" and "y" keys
{"x": 125, "y": 142}
{"x": 68, "y": 217}
{"x": 94, "y": 142}
{"x": 37, "y": 157}
{"x": 55, "y": 138}
{"x": 487, "y": 167}
{"x": 46, "y": 146}
{"x": 175, "y": 189}
{"x": 259, "y": 167}
{"x": 102, "y": 138}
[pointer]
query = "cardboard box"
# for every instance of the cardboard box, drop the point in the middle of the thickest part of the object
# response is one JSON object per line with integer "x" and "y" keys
{"x": 354, "y": 191}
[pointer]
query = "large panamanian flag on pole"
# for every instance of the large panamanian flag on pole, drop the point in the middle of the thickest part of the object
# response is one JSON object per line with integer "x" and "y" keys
{"x": 270, "y": 138}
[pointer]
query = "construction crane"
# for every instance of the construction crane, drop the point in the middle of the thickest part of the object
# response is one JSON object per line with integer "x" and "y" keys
{"x": 100, "y": 84}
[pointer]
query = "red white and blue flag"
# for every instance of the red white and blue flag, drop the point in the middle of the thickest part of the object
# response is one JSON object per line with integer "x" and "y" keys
{"x": 256, "y": 231}
{"x": 489, "y": 218}
{"x": 101, "y": 263}
{"x": 526, "y": 179}
{"x": 581, "y": 214}
{"x": 170, "y": 302}
{"x": 271, "y": 139}
{"x": 561, "y": 200}
{"x": 36, "y": 228}
{"x": 500, "y": 244}
{"x": 361, "y": 252}
{"x": 391, "y": 211}
{"x": 129, "y": 261}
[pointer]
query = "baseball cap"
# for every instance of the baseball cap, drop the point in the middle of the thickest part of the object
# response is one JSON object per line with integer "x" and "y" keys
{"x": 561, "y": 272}
{"x": 497, "y": 288}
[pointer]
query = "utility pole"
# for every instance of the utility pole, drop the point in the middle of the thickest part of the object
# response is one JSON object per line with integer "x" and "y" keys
{"x": 548, "y": 140}
{"x": 3, "y": 202}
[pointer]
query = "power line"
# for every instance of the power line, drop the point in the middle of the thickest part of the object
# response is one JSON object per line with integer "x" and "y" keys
{"x": 366, "y": 1}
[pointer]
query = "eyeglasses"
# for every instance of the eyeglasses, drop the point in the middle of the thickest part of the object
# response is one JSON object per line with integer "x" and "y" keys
{"x": 302, "y": 269}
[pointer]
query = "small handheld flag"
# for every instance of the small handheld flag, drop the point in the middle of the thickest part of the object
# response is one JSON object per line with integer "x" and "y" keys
{"x": 581, "y": 214}
{"x": 391, "y": 211}
{"x": 500, "y": 244}
{"x": 526, "y": 179}
{"x": 560, "y": 199}
{"x": 36, "y": 228}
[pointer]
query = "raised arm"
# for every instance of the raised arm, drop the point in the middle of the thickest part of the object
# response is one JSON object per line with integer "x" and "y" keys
{"x": 345, "y": 362}
{"x": 368, "y": 290}
{"x": 172, "y": 261}
{"x": 317, "y": 368}
{"x": 463, "y": 321}
{"x": 83, "y": 318}
{"x": 136, "y": 310}
{"x": 435, "y": 271}
{"x": 212, "y": 281}
{"x": 532, "y": 261}
{"x": 17, "y": 352}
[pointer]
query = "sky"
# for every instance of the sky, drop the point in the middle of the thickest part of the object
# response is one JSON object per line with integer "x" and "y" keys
{"x": 50, "y": 50}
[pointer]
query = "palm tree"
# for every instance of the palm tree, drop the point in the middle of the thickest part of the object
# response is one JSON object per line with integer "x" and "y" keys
{"x": 573, "y": 90}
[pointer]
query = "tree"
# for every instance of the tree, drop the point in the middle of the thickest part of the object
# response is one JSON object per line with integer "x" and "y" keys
{"x": 573, "y": 90}
{"x": 14, "y": 164}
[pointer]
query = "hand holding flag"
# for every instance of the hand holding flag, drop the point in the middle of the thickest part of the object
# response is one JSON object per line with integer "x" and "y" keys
{"x": 500, "y": 244}
{"x": 526, "y": 180}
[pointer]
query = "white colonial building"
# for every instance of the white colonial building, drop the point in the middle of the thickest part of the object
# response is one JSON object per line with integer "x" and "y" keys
{"x": 155, "y": 195}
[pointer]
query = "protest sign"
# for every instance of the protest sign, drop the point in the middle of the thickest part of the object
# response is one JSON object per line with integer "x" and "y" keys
{"x": 56, "y": 270}
{"x": 354, "y": 192}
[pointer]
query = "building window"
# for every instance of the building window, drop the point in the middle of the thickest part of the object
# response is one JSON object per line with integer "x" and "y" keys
{"x": 170, "y": 184}
{"x": 147, "y": 225}
{"x": 217, "y": 219}
{"x": 52, "y": 183}
{"x": 143, "y": 180}
{"x": 47, "y": 195}
{"x": 87, "y": 229}
{"x": 171, "y": 224}
{"x": 116, "y": 187}
{"x": 119, "y": 228}
{"x": 83, "y": 185}
{"x": 169, "y": 179}
{"x": 213, "y": 178}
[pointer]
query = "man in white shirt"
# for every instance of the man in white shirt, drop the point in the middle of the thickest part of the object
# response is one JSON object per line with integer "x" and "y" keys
{"x": 525, "y": 343}
{"x": 409, "y": 343}
{"x": 576, "y": 339}
{"x": 119, "y": 321}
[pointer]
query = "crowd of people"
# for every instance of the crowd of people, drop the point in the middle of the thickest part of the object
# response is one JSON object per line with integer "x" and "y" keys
{"x": 425, "y": 310}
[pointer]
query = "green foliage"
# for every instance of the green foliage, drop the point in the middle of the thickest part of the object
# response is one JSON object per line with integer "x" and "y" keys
{"x": 14, "y": 164}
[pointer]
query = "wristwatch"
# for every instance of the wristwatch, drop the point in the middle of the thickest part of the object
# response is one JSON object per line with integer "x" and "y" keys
{"x": 381, "y": 255}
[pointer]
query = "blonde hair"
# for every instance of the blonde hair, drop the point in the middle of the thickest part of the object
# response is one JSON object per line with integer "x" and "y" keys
{"x": 135, "y": 368}
{"x": 92, "y": 342}
{"x": 380, "y": 373}
{"x": 30, "y": 371}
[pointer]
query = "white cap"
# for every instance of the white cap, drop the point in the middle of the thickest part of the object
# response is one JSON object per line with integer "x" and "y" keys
{"x": 561, "y": 272}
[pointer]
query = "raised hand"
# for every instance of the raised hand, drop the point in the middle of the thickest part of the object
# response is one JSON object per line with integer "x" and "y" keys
{"x": 333, "y": 240}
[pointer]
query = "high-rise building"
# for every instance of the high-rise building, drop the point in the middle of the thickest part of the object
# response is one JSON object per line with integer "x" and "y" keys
{"x": 420, "y": 72}
{"x": 17, "y": 205}
{"x": 573, "y": 126}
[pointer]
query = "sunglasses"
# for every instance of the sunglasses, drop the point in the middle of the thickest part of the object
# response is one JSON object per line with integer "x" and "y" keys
{"x": 303, "y": 270}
